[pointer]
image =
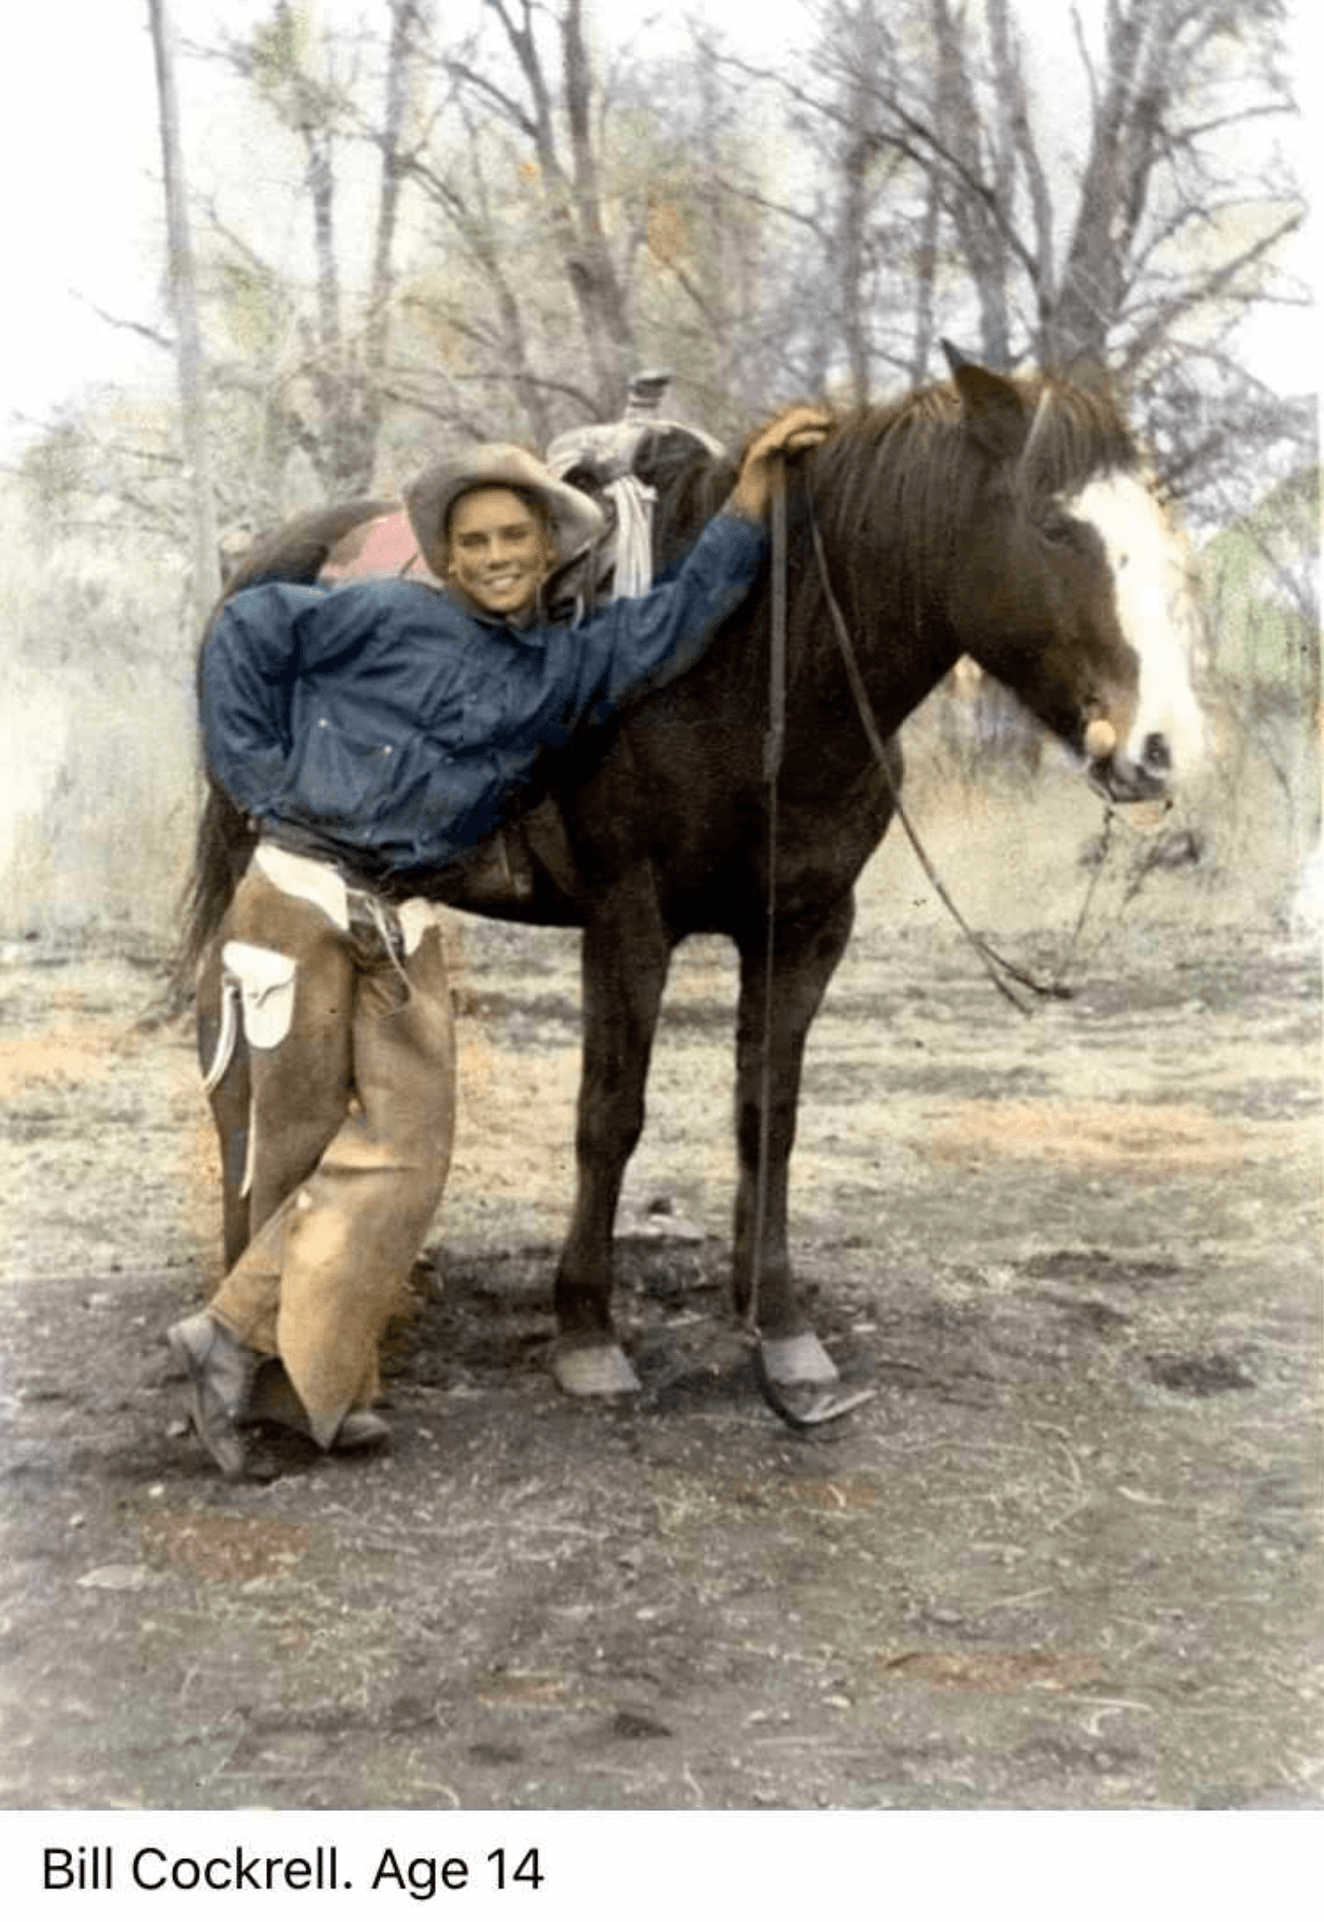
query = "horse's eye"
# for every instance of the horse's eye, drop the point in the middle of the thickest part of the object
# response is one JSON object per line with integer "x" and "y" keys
{"x": 1059, "y": 530}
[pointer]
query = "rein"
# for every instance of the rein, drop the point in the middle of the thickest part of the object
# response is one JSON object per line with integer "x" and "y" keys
{"x": 1001, "y": 972}
{"x": 828, "y": 1404}
{"x": 774, "y": 743}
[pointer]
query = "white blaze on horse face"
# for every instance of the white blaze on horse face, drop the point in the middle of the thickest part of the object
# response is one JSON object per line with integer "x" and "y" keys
{"x": 1151, "y": 589}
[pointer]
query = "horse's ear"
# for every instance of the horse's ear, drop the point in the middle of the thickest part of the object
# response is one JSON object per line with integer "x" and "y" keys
{"x": 994, "y": 411}
{"x": 955, "y": 358}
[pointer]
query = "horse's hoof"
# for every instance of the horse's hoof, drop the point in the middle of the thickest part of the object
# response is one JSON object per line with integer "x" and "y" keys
{"x": 601, "y": 1369}
{"x": 797, "y": 1361}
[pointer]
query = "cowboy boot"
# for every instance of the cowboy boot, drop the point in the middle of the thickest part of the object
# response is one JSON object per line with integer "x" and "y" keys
{"x": 220, "y": 1370}
{"x": 273, "y": 1399}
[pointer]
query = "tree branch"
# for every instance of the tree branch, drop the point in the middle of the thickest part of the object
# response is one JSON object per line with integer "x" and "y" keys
{"x": 152, "y": 334}
{"x": 1211, "y": 286}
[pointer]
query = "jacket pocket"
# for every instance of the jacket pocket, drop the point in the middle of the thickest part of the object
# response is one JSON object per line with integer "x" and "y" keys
{"x": 337, "y": 778}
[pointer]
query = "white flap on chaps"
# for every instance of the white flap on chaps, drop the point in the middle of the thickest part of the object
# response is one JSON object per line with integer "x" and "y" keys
{"x": 266, "y": 987}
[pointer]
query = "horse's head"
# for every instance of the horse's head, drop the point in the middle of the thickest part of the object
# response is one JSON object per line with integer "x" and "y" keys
{"x": 1072, "y": 585}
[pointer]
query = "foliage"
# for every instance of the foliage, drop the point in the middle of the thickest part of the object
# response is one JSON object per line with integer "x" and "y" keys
{"x": 52, "y": 469}
{"x": 1262, "y": 585}
{"x": 97, "y": 740}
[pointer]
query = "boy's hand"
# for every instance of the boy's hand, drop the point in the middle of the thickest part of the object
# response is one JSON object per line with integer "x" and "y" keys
{"x": 794, "y": 432}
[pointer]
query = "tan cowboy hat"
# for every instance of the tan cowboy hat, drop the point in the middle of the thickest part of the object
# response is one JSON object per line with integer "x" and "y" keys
{"x": 576, "y": 520}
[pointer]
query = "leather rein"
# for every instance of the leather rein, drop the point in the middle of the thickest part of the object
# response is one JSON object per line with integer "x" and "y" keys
{"x": 1001, "y": 972}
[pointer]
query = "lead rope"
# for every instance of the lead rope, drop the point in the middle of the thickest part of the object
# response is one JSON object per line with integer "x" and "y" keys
{"x": 773, "y": 745}
{"x": 1105, "y": 843}
{"x": 1000, "y": 971}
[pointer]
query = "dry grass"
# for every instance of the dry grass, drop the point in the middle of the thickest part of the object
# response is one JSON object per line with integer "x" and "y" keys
{"x": 97, "y": 803}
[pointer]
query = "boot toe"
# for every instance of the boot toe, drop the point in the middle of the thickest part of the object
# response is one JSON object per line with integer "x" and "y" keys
{"x": 217, "y": 1368}
{"x": 361, "y": 1429}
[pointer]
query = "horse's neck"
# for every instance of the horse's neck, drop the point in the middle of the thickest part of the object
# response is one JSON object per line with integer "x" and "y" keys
{"x": 880, "y": 610}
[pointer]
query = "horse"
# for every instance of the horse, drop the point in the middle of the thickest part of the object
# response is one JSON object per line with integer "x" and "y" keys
{"x": 1012, "y": 520}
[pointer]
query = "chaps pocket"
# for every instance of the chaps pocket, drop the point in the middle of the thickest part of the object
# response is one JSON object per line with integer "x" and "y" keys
{"x": 265, "y": 981}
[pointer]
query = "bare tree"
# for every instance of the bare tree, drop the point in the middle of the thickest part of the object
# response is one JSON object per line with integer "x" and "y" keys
{"x": 584, "y": 225}
{"x": 545, "y": 221}
{"x": 183, "y": 300}
{"x": 560, "y": 124}
{"x": 1164, "y": 228}
{"x": 325, "y": 390}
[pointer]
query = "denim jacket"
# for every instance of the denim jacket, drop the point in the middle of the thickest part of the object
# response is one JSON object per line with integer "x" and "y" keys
{"x": 382, "y": 726}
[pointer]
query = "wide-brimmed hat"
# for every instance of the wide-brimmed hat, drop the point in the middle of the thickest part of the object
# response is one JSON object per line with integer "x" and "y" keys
{"x": 576, "y": 520}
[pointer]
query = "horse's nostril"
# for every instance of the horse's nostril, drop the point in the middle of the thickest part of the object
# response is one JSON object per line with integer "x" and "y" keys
{"x": 1157, "y": 755}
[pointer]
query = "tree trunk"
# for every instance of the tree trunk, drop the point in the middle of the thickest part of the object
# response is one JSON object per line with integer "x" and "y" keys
{"x": 975, "y": 216}
{"x": 926, "y": 271}
{"x": 206, "y": 573}
{"x": 1128, "y": 125}
{"x": 406, "y": 18}
{"x": 574, "y": 196}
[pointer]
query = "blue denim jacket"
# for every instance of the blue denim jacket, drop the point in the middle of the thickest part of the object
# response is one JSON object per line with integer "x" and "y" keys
{"x": 383, "y": 726}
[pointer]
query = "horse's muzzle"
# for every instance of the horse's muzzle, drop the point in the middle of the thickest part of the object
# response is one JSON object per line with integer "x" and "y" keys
{"x": 1119, "y": 778}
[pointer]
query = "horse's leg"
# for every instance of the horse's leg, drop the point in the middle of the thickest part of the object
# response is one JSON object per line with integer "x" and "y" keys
{"x": 803, "y": 962}
{"x": 626, "y": 953}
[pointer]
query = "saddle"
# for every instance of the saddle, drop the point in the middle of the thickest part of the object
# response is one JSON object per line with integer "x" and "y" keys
{"x": 604, "y": 461}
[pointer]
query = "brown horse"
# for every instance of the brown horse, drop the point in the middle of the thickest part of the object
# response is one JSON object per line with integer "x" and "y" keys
{"x": 1012, "y": 521}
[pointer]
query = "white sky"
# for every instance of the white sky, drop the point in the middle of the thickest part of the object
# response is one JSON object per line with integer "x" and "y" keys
{"x": 77, "y": 119}
{"x": 80, "y": 213}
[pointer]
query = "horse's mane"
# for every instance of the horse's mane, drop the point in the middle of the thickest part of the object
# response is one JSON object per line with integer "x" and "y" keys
{"x": 904, "y": 465}
{"x": 907, "y": 466}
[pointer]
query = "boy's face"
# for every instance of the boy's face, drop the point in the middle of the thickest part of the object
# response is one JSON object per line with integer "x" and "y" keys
{"x": 498, "y": 549}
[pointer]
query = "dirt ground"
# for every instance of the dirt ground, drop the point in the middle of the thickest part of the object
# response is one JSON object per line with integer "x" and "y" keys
{"x": 1068, "y": 1556}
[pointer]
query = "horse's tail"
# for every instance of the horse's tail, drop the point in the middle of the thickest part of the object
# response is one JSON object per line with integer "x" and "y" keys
{"x": 225, "y": 838}
{"x": 295, "y": 552}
